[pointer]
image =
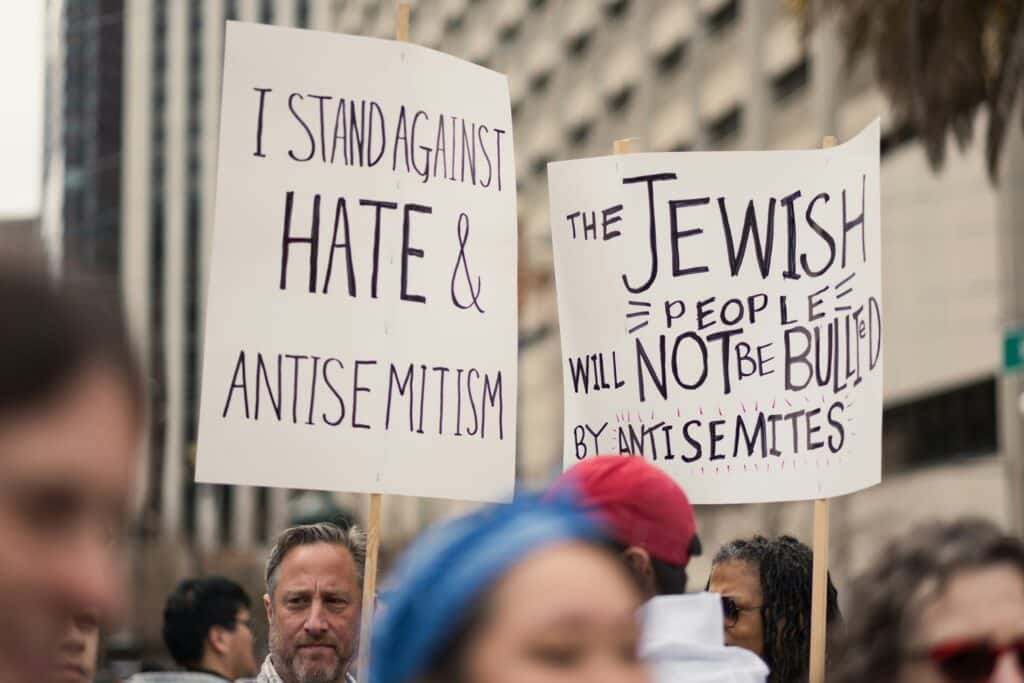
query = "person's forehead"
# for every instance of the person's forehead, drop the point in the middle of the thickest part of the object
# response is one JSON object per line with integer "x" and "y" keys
{"x": 84, "y": 439}
{"x": 986, "y": 603}
{"x": 322, "y": 563}
{"x": 735, "y": 577}
{"x": 580, "y": 585}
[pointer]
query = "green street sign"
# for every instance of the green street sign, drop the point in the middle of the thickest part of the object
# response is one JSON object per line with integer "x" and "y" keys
{"x": 1013, "y": 349}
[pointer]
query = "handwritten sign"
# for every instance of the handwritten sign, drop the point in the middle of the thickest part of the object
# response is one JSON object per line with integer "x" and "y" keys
{"x": 361, "y": 324}
{"x": 721, "y": 316}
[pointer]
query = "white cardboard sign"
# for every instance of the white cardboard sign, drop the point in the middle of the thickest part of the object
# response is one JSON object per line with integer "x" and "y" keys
{"x": 361, "y": 322}
{"x": 721, "y": 316}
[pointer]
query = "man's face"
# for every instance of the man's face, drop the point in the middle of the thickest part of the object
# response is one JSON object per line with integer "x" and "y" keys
{"x": 77, "y": 651}
{"x": 314, "y": 614}
{"x": 66, "y": 472}
{"x": 239, "y": 643}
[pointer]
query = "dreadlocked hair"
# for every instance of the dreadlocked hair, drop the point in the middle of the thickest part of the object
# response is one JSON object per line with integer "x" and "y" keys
{"x": 784, "y": 565}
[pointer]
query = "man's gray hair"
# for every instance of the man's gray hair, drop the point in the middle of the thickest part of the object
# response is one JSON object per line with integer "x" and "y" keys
{"x": 350, "y": 538}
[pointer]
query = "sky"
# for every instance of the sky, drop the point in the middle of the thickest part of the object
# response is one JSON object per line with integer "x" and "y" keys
{"x": 21, "y": 106}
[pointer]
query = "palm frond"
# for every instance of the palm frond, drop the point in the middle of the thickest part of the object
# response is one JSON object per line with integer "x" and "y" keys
{"x": 938, "y": 62}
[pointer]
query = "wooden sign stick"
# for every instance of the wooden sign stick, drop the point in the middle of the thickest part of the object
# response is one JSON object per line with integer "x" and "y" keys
{"x": 819, "y": 591}
{"x": 369, "y": 586}
{"x": 402, "y": 23}
{"x": 819, "y": 580}
{"x": 373, "y": 521}
{"x": 623, "y": 145}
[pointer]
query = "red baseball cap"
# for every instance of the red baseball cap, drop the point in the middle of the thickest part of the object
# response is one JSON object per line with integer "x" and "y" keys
{"x": 638, "y": 503}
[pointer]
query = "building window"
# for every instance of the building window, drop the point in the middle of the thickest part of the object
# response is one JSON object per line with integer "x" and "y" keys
{"x": 189, "y": 496}
{"x": 791, "y": 81}
{"x": 619, "y": 100}
{"x": 266, "y": 11}
{"x": 726, "y": 125}
{"x": 952, "y": 425}
{"x": 579, "y": 44}
{"x": 669, "y": 60}
{"x": 302, "y": 13}
{"x": 579, "y": 133}
{"x": 723, "y": 17}
{"x": 454, "y": 23}
{"x": 158, "y": 406}
{"x": 537, "y": 5}
{"x": 539, "y": 83}
{"x": 539, "y": 166}
{"x": 156, "y": 243}
{"x": 263, "y": 529}
{"x": 616, "y": 9}
{"x": 225, "y": 499}
{"x": 510, "y": 33}
{"x": 231, "y": 10}
{"x": 191, "y": 314}
{"x": 190, "y": 311}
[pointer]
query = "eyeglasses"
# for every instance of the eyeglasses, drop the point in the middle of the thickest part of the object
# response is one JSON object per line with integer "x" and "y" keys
{"x": 731, "y": 611}
{"x": 971, "y": 661}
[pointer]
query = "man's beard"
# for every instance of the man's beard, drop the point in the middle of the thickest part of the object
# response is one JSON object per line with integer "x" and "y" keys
{"x": 293, "y": 670}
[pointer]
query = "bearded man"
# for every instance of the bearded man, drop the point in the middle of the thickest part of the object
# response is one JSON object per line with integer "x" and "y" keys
{"x": 314, "y": 591}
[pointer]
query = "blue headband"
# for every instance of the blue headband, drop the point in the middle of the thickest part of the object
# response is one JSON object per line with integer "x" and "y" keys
{"x": 449, "y": 567}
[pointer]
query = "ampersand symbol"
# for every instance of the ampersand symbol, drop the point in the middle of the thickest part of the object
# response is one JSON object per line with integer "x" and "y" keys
{"x": 460, "y": 263}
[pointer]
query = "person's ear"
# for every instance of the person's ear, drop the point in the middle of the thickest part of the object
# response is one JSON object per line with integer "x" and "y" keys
{"x": 268, "y": 606}
{"x": 217, "y": 639}
{"x": 638, "y": 561}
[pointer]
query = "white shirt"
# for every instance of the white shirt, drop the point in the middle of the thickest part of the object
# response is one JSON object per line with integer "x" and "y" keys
{"x": 683, "y": 642}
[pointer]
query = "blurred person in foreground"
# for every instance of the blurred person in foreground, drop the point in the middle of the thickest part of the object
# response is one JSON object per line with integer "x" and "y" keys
{"x": 314, "y": 593}
{"x": 71, "y": 422}
{"x": 208, "y": 631}
{"x": 77, "y": 651}
{"x": 654, "y": 533}
{"x": 942, "y": 604}
{"x": 765, "y": 586}
{"x": 519, "y": 593}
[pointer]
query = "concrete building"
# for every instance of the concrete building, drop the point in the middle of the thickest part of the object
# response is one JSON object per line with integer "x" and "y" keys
{"x": 732, "y": 74}
{"x": 82, "y": 143}
{"x": 133, "y": 94}
{"x": 20, "y": 239}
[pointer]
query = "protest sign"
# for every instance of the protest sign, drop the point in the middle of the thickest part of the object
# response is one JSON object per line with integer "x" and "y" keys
{"x": 721, "y": 316}
{"x": 361, "y": 318}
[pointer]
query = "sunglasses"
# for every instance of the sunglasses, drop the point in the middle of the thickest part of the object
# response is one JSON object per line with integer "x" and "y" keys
{"x": 731, "y": 611}
{"x": 971, "y": 661}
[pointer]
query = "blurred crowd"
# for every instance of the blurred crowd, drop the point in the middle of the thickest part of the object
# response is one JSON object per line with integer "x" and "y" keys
{"x": 587, "y": 581}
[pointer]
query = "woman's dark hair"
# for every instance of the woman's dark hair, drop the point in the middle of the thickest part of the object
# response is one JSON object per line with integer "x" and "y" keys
{"x": 785, "y": 567}
{"x": 51, "y": 331}
{"x": 669, "y": 579}
{"x": 196, "y": 606}
{"x": 911, "y": 572}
